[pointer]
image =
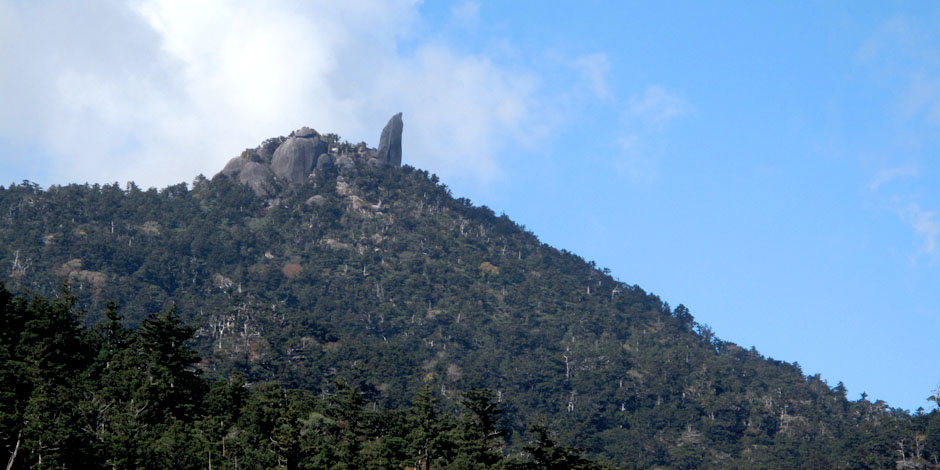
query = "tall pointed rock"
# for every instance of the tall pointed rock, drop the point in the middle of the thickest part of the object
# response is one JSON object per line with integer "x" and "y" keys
{"x": 390, "y": 142}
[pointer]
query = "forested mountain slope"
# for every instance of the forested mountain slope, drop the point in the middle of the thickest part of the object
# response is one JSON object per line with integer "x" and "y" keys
{"x": 376, "y": 276}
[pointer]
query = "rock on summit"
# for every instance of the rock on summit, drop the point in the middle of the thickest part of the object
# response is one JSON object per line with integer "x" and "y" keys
{"x": 293, "y": 159}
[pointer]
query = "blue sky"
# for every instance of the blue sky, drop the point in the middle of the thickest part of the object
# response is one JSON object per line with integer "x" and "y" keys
{"x": 772, "y": 166}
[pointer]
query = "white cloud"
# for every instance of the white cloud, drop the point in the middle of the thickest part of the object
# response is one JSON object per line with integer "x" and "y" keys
{"x": 466, "y": 13}
{"x": 890, "y": 174}
{"x": 462, "y": 109}
{"x": 656, "y": 107}
{"x": 920, "y": 98}
{"x": 905, "y": 57}
{"x": 595, "y": 69}
{"x": 638, "y": 159}
{"x": 902, "y": 56}
{"x": 925, "y": 225}
{"x": 159, "y": 91}
{"x": 642, "y": 144}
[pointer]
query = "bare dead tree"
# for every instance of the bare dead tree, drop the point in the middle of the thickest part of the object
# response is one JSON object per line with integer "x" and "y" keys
{"x": 15, "y": 450}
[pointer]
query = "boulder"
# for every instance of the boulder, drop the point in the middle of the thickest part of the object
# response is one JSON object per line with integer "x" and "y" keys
{"x": 316, "y": 200}
{"x": 345, "y": 162}
{"x": 389, "y": 151}
{"x": 266, "y": 150}
{"x": 234, "y": 167}
{"x": 265, "y": 153}
{"x": 258, "y": 177}
{"x": 324, "y": 161}
{"x": 305, "y": 131}
{"x": 294, "y": 159}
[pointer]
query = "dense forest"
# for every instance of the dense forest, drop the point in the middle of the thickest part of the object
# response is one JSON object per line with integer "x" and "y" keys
{"x": 111, "y": 397}
{"x": 327, "y": 318}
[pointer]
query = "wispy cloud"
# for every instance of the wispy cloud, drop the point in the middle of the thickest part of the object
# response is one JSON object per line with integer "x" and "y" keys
{"x": 641, "y": 143}
{"x": 638, "y": 159}
{"x": 903, "y": 56}
{"x": 927, "y": 228}
{"x": 595, "y": 70}
{"x": 656, "y": 107}
{"x": 466, "y": 13}
{"x": 889, "y": 174}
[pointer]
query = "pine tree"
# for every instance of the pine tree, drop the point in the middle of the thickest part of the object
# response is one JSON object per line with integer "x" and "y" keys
{"x": 426, "y": 436}
{"x": 479, "y": 437}
{"x": 548, "y": 455}
{"x": 44, "y": 354}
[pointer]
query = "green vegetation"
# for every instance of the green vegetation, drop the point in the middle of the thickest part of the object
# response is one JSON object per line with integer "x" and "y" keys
{"x": 411, "y": 299}
{"x": 110, "y": 397}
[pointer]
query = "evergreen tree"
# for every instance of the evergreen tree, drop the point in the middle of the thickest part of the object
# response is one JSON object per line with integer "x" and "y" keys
{"x": 546, "y": 454}
{"x": 479, "y": 437}
{"x": 426, "y": 439}
{"x": 44, "y": 356}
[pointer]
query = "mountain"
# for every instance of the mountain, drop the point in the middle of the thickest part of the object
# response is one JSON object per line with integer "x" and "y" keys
{"x": 311, "y": 262}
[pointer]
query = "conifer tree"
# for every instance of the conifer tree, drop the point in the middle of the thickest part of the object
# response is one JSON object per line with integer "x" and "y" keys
{"x": 426, "y": 436}
{"x": 479, "y": 437}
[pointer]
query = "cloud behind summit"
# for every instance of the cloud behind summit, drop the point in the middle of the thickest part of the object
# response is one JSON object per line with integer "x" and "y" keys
{"x": 159, "y": 91}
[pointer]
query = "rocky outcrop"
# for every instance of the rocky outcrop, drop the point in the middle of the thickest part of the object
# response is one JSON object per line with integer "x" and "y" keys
{"x": 265, "y": 151}
{"x": 293, "y": 159}
{"x": 390, "y": 142}
{"x": 345, "y": 162}
{"x": 234, "y": 167}
{"x": 324, "y": 162}
{"x": 305, "y": 132}
{"x": 258, "y": 177}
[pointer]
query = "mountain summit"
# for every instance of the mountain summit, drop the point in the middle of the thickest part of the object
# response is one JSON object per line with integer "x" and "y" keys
{"x": 294, "y": 159}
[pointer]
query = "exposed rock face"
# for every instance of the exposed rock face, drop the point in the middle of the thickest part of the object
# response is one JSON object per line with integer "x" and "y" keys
{"x": 345, "y": 162}
{"x": 324, "y": 161}
{"x": 293, "y": 160}
{"x": 305, "y": 132}
{"x": 258, "y": 177}
{"x": 234, "y": 167}
{"x": 390, "y": 142}
{"x": 266, "y": 150}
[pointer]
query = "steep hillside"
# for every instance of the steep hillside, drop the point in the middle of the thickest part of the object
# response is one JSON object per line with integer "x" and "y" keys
{"x": 374, "y": 274}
